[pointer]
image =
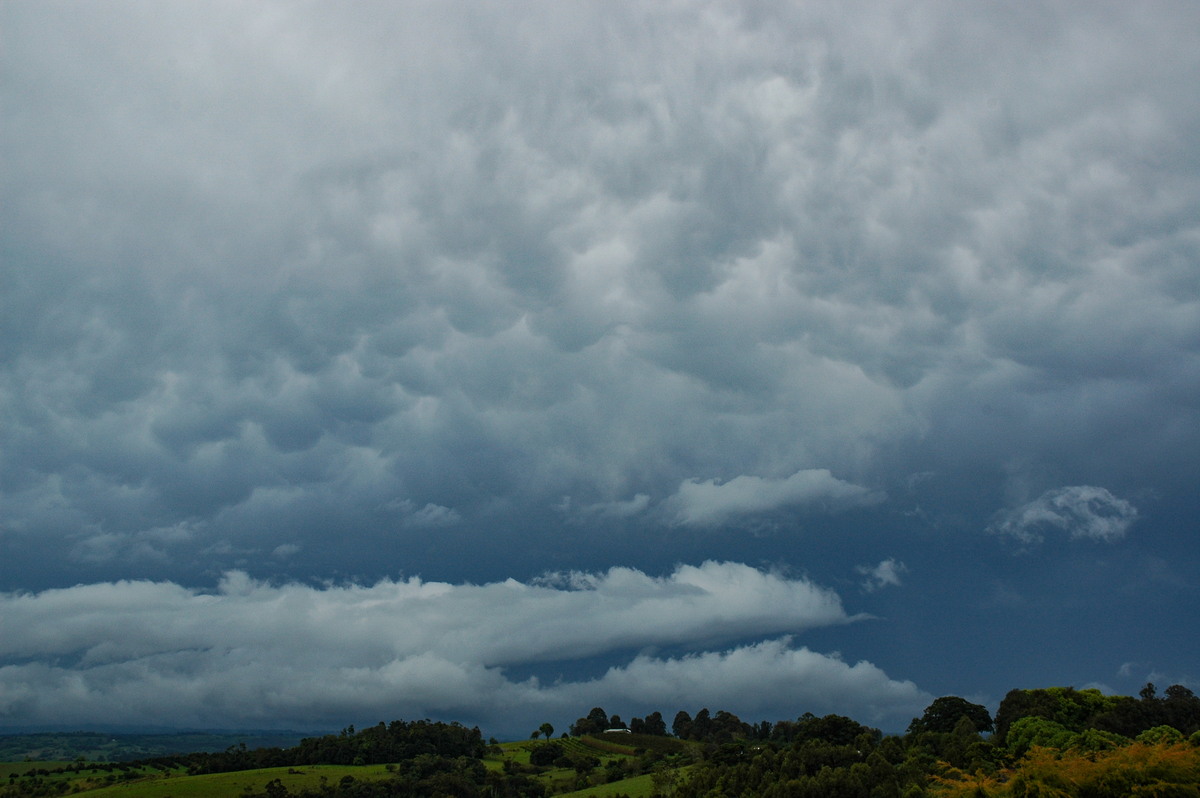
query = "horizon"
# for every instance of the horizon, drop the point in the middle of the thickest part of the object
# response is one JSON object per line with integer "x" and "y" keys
{"x": 481, "y": 364}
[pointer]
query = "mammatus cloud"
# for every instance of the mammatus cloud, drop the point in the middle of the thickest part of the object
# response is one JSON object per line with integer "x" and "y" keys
{"x": 1082, "y": 511}
{"x": 885, "y": 574}
{"x": 710, "y": 503}
{"x": 250, "y": 652}
{"x": 479, "y": 272}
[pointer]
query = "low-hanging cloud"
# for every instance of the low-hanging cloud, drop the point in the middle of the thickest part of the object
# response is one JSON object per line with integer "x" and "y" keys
{"x": 250, "y": 652}
{"x": 1083, "y": 512}
{"x": 710, "y": 502}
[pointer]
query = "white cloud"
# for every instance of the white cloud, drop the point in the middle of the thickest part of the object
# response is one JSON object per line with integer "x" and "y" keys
{"x": 760, "y": 680}
{"x": 149, "y": 652}
{"x": 1082, "y": 511}
{"x": 885, "y": 574}
{"x": 709, "y": 503}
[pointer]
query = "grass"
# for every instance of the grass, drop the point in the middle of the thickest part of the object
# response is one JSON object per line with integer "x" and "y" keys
{"x": 636, "y": 787}
{"x": 72, "y": 780}
{"x": 177, "y": 784}
{"x": 148, "y": 782}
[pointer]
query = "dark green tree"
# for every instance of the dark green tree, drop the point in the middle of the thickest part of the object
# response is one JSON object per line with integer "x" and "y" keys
{"x": 545, "y": 754}
{"x": 943, "y": 714}
{"x": 682, "y": 725}
{"x": 701, "y": 725}
{"x": 595, "y": 722}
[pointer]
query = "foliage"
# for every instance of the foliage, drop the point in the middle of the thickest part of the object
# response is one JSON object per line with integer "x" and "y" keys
{"x": 1078, "y": 710}
{"x": 653, "y": 724}
{"x": 595, "y": 722}
{"x": 1027, "y": 732}
{"x": 943, "y": 714}
{"x": 835, "y": 729}
{"x": 1167, "y": 770}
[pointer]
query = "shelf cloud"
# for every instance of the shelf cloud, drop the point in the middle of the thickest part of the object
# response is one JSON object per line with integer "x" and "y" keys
{"x": 249, "y": 652}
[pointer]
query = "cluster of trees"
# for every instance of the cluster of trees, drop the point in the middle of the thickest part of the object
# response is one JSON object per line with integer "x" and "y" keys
{"x": 598, "y": 721}
{"x": 1081, "y": 710}
{"x": 1053, "y": 742}
{"x": 394, "y": 742}
{"x": 384, "y": 743}
{"x": 723, "y": 727}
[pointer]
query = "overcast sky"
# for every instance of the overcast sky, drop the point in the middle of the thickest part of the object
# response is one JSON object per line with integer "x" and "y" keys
{"x": 494, "y": 361}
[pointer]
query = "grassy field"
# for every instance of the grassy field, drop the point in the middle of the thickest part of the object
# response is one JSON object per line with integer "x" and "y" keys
{"x": 147, "y": 782}
{"x": 230, "y": 785}
{"x": 637, "y": 787}
{"x": 73, "y": 781}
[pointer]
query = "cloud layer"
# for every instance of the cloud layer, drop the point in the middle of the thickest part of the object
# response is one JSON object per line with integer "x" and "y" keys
{"x": 277, "y": 269}
{"x": 329, "y": 292}
{"x": 251, "y": 653}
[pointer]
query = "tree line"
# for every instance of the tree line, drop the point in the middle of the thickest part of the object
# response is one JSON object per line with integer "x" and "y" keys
{"x": 1059, "y": 742}
{"x": 1055, "y": 741}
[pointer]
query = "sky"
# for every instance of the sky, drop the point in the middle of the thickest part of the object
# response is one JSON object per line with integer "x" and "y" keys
{"x": 494, "y": 361}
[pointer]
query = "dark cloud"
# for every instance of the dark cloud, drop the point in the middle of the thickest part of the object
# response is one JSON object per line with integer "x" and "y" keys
{"x": 339, "y": 293}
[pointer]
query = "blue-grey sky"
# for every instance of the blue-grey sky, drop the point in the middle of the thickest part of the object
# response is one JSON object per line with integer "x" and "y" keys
{"x": 494, "y": 361}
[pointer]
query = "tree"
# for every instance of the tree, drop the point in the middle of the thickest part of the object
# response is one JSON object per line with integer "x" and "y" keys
{"x": 545, "y": 754}
{"x": 595, "y": 722}
{"x": 1030, "y": 731}
{"x": 682, "y": 726}
{"x": 656, "y": 725}
{"x": 831, "y": 729}
{"x": 1181, "y": 709}
{"x": 547, "y": 730}
{"x": 943, "y": 715}
{"x": 701, "y": 725}
{"x": 664, "y": 778}
{"x": 1074, "y": 709}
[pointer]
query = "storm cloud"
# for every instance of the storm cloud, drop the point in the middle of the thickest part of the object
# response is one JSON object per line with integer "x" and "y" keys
{"x": 342, "y": 294}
